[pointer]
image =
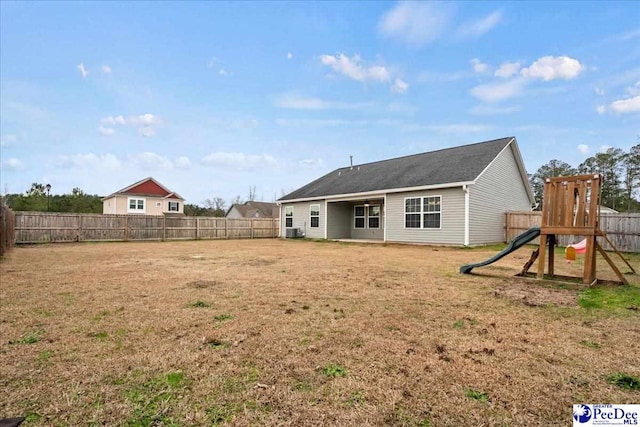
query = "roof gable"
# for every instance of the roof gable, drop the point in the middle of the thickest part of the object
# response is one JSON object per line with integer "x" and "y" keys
{"x": 147, "y": 187}
{"x": 250, "y": 208}
{"x": 441, "y": 167}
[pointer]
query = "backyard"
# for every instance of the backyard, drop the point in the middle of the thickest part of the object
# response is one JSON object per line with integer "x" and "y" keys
{"x": 275, "y": 332}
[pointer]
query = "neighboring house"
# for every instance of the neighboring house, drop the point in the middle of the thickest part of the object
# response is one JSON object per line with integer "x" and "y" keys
{"x": 147, "y": 197}
{"x": 455, "y": 196}
{"x": 253, "y": 210}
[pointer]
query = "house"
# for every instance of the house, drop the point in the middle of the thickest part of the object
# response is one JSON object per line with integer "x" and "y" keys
{"x": 253, "y": 210}
{"x": 147, "y": 197}
{"x": 455, "y": 196}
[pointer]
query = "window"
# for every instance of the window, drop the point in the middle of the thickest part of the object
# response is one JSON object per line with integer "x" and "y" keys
{"x": 431, "y": 209}
{"x": 422, "y": 212}
{"x": 359, "y": 214}
{"x": 288, "y": 216}
{"x": 174, "y": 206}
{"x": 314, "y": 213}
{"x": 374, "y": 216}
{"x": 136, "y": 205}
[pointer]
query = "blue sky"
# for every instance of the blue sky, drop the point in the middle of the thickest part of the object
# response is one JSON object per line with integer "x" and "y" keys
{"x": 211, "y": 98}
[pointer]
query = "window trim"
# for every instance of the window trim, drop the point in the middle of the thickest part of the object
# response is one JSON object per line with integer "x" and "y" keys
{"x": 312, "y": 216}
{"x": 363, "y": 216}
{"x": 287, "y": 216}
{"x": 422, "y": 212}
{"x": 137, "y": 209}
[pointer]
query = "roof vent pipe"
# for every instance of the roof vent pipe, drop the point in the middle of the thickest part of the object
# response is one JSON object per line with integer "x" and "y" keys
{"x": 351, "y": 161}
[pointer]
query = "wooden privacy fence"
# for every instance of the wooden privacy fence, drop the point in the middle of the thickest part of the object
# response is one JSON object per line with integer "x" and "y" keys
{"x": 7, "y": 224}
{"x": 623, "y": 229}
{"x": 37, "y": 227}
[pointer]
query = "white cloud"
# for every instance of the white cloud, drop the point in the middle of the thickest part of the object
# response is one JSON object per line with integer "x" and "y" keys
{"x": 494, "y": 92}
{"x": 106, "y": 69}
{"x": 113, "y": 120}
{"x": 12, "y": 164}
{"x": 583, "y": 149}
{"x": 416, "y": 23}
{"x": 145, "y": 120}
{"x": 629, "y": 105}
{"x": 183, "y": 162}
{"x": 601, "y": 109}
{"x": 353, "y": 68}
{"x": 104, "y": 131}
{"x": 239, "y": 161}
{"x": 8, "y": 140}
{"x": 399, "y": 86}
{"x": 222, "y": 72}
{"x": 150, "y": 161}
{"x": 89, "y": 160}
{"x": 289, "y": 55}
{"x": 479, "y": 66}
{"x": 83, "y": 70}
{"x": 492, "y": 110}
{"x": 311, "y": 163}
{"x": 604, "y": 148}
{"x": 481, "y": 26}
{"x": 553, "y": 67}
{"x": 147, "y": 131}
{"x": 635, "y": 89}
{"x": 294, "y": 102}
{"x": 599, "y": 91}
{"x": 507, "y": 69}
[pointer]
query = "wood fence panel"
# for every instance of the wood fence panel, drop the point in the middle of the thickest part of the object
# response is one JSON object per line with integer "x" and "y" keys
{"x": 38, "y": 227}
{"x": 623, "y": 229}
{"x": 7, "y": 228}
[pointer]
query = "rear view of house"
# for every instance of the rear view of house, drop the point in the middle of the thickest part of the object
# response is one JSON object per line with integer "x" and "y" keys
{"x": 146, "y": 197}
{"x": 455, "y": 196}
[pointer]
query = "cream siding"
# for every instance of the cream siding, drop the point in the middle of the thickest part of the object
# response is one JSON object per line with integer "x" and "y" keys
{"x": 234, "y": 214}
{"x": 152, "y": 205}
{"x": 498, "y": 190}
{"x": 451, "y": 230}
{"x": 302, "y": 219}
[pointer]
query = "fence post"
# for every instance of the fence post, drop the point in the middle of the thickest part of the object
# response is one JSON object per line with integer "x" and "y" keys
{"x": 507, "y": 226}
{"x": 252, "y": 228}
{"x": 164, "y": 228}
{"x": 126, "y": 228}
{"x": 197, "y": 228}
{"x": 79, "y": 235}
{"x": 226, "y": 232}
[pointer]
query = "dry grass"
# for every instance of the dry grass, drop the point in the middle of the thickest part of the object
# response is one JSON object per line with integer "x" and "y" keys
{"x": 275, "y": 332}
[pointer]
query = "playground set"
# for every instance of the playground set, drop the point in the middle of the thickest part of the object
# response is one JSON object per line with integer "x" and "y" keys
{"x": 571, "y": 206}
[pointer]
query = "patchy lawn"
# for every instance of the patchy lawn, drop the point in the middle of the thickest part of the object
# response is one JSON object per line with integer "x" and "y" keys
{"x": 272, "y": 332}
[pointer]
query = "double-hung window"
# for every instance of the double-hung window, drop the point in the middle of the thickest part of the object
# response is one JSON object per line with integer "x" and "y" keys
{"x": 288, "y": 216}
{"x": 359, "y": 215}
{"x": 374, "y": 216}
{"x": 314, "y": 214}
{"x": 135, "y": 205}
{"x": 423, "y": 212}
{"x": 174, "y": 206}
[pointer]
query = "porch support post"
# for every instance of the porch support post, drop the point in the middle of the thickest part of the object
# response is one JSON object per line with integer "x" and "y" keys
{"x": 326, "y": 217}
{"x": 383, "y": 214}
{"x": 465, "y": 188}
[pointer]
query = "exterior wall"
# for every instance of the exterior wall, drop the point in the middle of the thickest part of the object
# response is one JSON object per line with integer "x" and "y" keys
{"x": 452, "y": 218}
{"x": 302, "y": 219}
{"x": 339, "y": 218}
{"x": 367, "y": 233}
{"x": 234, "y": 214}
{"x": 119, "y": 205}
{"x": 498, "y": 190}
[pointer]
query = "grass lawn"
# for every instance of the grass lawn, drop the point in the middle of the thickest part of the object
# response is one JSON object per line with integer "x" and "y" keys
{"x": 273, "y": 332}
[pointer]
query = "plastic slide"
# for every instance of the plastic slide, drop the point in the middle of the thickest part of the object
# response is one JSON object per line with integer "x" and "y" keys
{"x": 513, "y": 245}
{"x": 580, "y": 247}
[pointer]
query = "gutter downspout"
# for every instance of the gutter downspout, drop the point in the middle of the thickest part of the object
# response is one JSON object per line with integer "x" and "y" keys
{"x": 326, "y": 217}
{"x": 384, "y": 218}
{"x": 465, "y": 188}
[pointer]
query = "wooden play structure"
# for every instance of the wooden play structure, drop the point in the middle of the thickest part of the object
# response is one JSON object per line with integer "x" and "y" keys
{"x": 571, "y": 206}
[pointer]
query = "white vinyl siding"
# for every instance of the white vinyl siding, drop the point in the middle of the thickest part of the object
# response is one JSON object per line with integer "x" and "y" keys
{"x": 451, "y": 231}
{"x": 498, "y": 190}
{"x": 301, "y": 218}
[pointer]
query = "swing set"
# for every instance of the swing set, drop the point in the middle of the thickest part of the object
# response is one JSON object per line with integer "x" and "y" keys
{"x": 571, "y": 207}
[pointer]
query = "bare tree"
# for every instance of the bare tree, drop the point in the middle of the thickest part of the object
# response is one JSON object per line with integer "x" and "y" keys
{"x": 252, "y": 193}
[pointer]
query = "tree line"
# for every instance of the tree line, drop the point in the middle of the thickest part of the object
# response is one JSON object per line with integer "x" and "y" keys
{"x": 620, "y": 171}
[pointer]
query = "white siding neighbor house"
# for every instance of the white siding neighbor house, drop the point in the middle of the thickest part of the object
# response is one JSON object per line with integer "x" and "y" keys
{"x": 455, "y": 196}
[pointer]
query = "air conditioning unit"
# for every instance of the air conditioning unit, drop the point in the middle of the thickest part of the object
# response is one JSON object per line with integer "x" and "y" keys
{"x": 292, "y": 233}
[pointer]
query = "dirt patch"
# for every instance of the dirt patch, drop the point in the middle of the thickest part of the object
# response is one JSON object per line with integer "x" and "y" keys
{"x": 201, "y": 284}
{"x": 535, "y": 295}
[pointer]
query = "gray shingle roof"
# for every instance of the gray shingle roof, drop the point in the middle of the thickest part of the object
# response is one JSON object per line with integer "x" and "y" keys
{"x": 457, "y": 164}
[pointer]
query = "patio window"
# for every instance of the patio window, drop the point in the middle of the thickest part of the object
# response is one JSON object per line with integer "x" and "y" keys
{"x": 374, "y": 216}
{"x": 135, "y": 205}
{"x": 314, "y": 213}
{"x": 359, "y": 215}
{"x": 422, "y": 212}
{"x": 288, "y": 216}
